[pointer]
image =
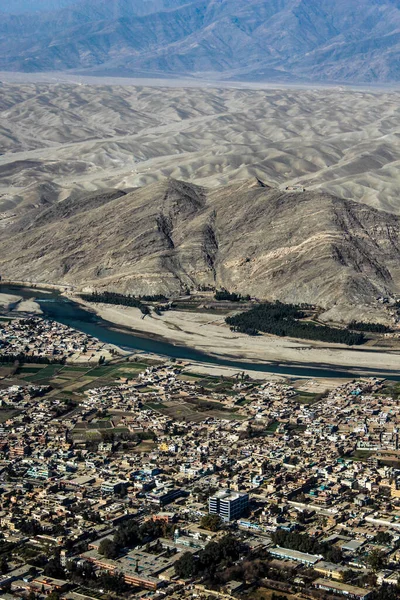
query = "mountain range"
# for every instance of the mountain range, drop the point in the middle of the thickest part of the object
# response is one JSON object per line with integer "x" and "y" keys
{"x": 260, "y": 40}
{"x": 247, "y": 237}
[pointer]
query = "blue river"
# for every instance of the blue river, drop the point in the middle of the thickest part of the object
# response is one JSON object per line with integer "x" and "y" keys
{"x": 63, "y": 310}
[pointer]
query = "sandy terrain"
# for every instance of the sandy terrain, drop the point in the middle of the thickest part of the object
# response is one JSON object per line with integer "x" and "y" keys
{"x": 7, "y": 300}
{"x": 18, "y": 304}
{"x": 61, "y": 138}
{"x": 29, "y": 306}
{"x": 210, "y": 335}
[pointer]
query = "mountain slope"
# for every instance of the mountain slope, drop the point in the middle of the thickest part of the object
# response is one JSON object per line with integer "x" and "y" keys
{"x": 247, "y": 237}
{"x": 256, "y": 39}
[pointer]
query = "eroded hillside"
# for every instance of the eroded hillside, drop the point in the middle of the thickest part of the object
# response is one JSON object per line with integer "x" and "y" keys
{"x": 247, "y": 237}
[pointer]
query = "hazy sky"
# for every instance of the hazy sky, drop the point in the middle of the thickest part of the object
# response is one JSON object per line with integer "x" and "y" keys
{"x": 18, "y": 6}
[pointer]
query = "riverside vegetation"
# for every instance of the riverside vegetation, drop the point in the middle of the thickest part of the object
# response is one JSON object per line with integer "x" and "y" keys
{"x": 281, "y": 319}
{"x": 275, "y": 318}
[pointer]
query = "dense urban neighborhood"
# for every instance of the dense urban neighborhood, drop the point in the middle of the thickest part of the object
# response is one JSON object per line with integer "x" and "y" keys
{"x": 129, "y": 476}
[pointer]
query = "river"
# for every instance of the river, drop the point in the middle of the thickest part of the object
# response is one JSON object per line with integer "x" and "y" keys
{"x": 61, "y": 309}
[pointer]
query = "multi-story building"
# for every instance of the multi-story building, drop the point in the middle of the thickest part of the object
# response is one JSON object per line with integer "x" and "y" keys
{"x": 164, "y": 495}
{"x": 228, "y": 505}
{"x": 112, "y": 487}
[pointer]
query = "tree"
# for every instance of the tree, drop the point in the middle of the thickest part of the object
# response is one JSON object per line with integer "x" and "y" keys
{"x": 4, "y": 566}
{"x": 386, "y": 592}
{"x": 383, "y": 537}
{"x": 287, "y": 320}
{"x": 30, "y": 527}
{"x": 115, "y": 583}
{"x": 274, "y": 509}
{"x": 54, "y": 569}
{"x": 210, "y": 556}
{"x": 333, "y": 554}
{"x": 109, "y": 548}
{"x": 127, "y": 534}
{"x": 211, "y": 522}
{"x": 186, "y": 566}
{"x": 348, "y": 575}
{"x": 377, "y": 560}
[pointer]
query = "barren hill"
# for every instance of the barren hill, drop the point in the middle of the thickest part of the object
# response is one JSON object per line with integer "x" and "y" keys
{"x": 247, "y": 237}
{"x": 59, "y": 140}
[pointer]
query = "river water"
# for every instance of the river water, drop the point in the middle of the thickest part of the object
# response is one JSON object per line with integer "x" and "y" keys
{"x": 63, "y": 310}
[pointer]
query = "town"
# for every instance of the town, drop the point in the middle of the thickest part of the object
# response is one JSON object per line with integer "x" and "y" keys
{"x": 130, "y": 476}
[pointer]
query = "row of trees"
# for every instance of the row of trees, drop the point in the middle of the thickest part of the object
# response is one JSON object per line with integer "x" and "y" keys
{"x": 303, "y": 542}
{"x": 372, "y": 327}
{"x": 154, "y": 298}
{"x": 22, "y": 358}
{"x": 386, "y": 592}
{"x": 284, "y": 320}
{"x": 117, "y": 299}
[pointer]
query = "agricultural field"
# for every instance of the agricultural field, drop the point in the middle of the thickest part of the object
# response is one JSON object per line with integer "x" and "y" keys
{"x": 306, "y": 397}
{"x": 72, "y": 377}
{"x": 392, "y": 389}
{"x": 43, "y": 375}
{"x": 6, "y": 414}
{"x": 5, "y": 370}
{"x": 144, "y": 446}
{"x": 272, "y": 427}
{"x": 193, "y": 410}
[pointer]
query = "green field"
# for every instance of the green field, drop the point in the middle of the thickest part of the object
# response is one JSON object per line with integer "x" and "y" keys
{"x": 135, "y": 366}
{"x": 185, "y": 375}
{"x": 155, "y": 405}
{"x": 144, "y": 446}
{"x": 118, "y": 430}
{"x": 100, "y": 425}
{"x": 361, "y": 455}
{"x": 306, "y": 397}
{"x": 44, "y": 374}
{"x": 126, "y": 375}
{"x": 102, "y": 371}
{"x": 60, "y": 376}
{"x": 272, "y": 427}
{"x": 30, "y": 368}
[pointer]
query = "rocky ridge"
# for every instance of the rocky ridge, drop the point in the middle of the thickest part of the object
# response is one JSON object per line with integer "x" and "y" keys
{"x": 172, "y": 236}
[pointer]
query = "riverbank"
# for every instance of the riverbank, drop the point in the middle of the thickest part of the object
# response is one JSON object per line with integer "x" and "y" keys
{"x": 10, "y": 304}
{"x": 14, "y": 305}
{"x": 140, "y": 338}
{"x": 209, "y": 334}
